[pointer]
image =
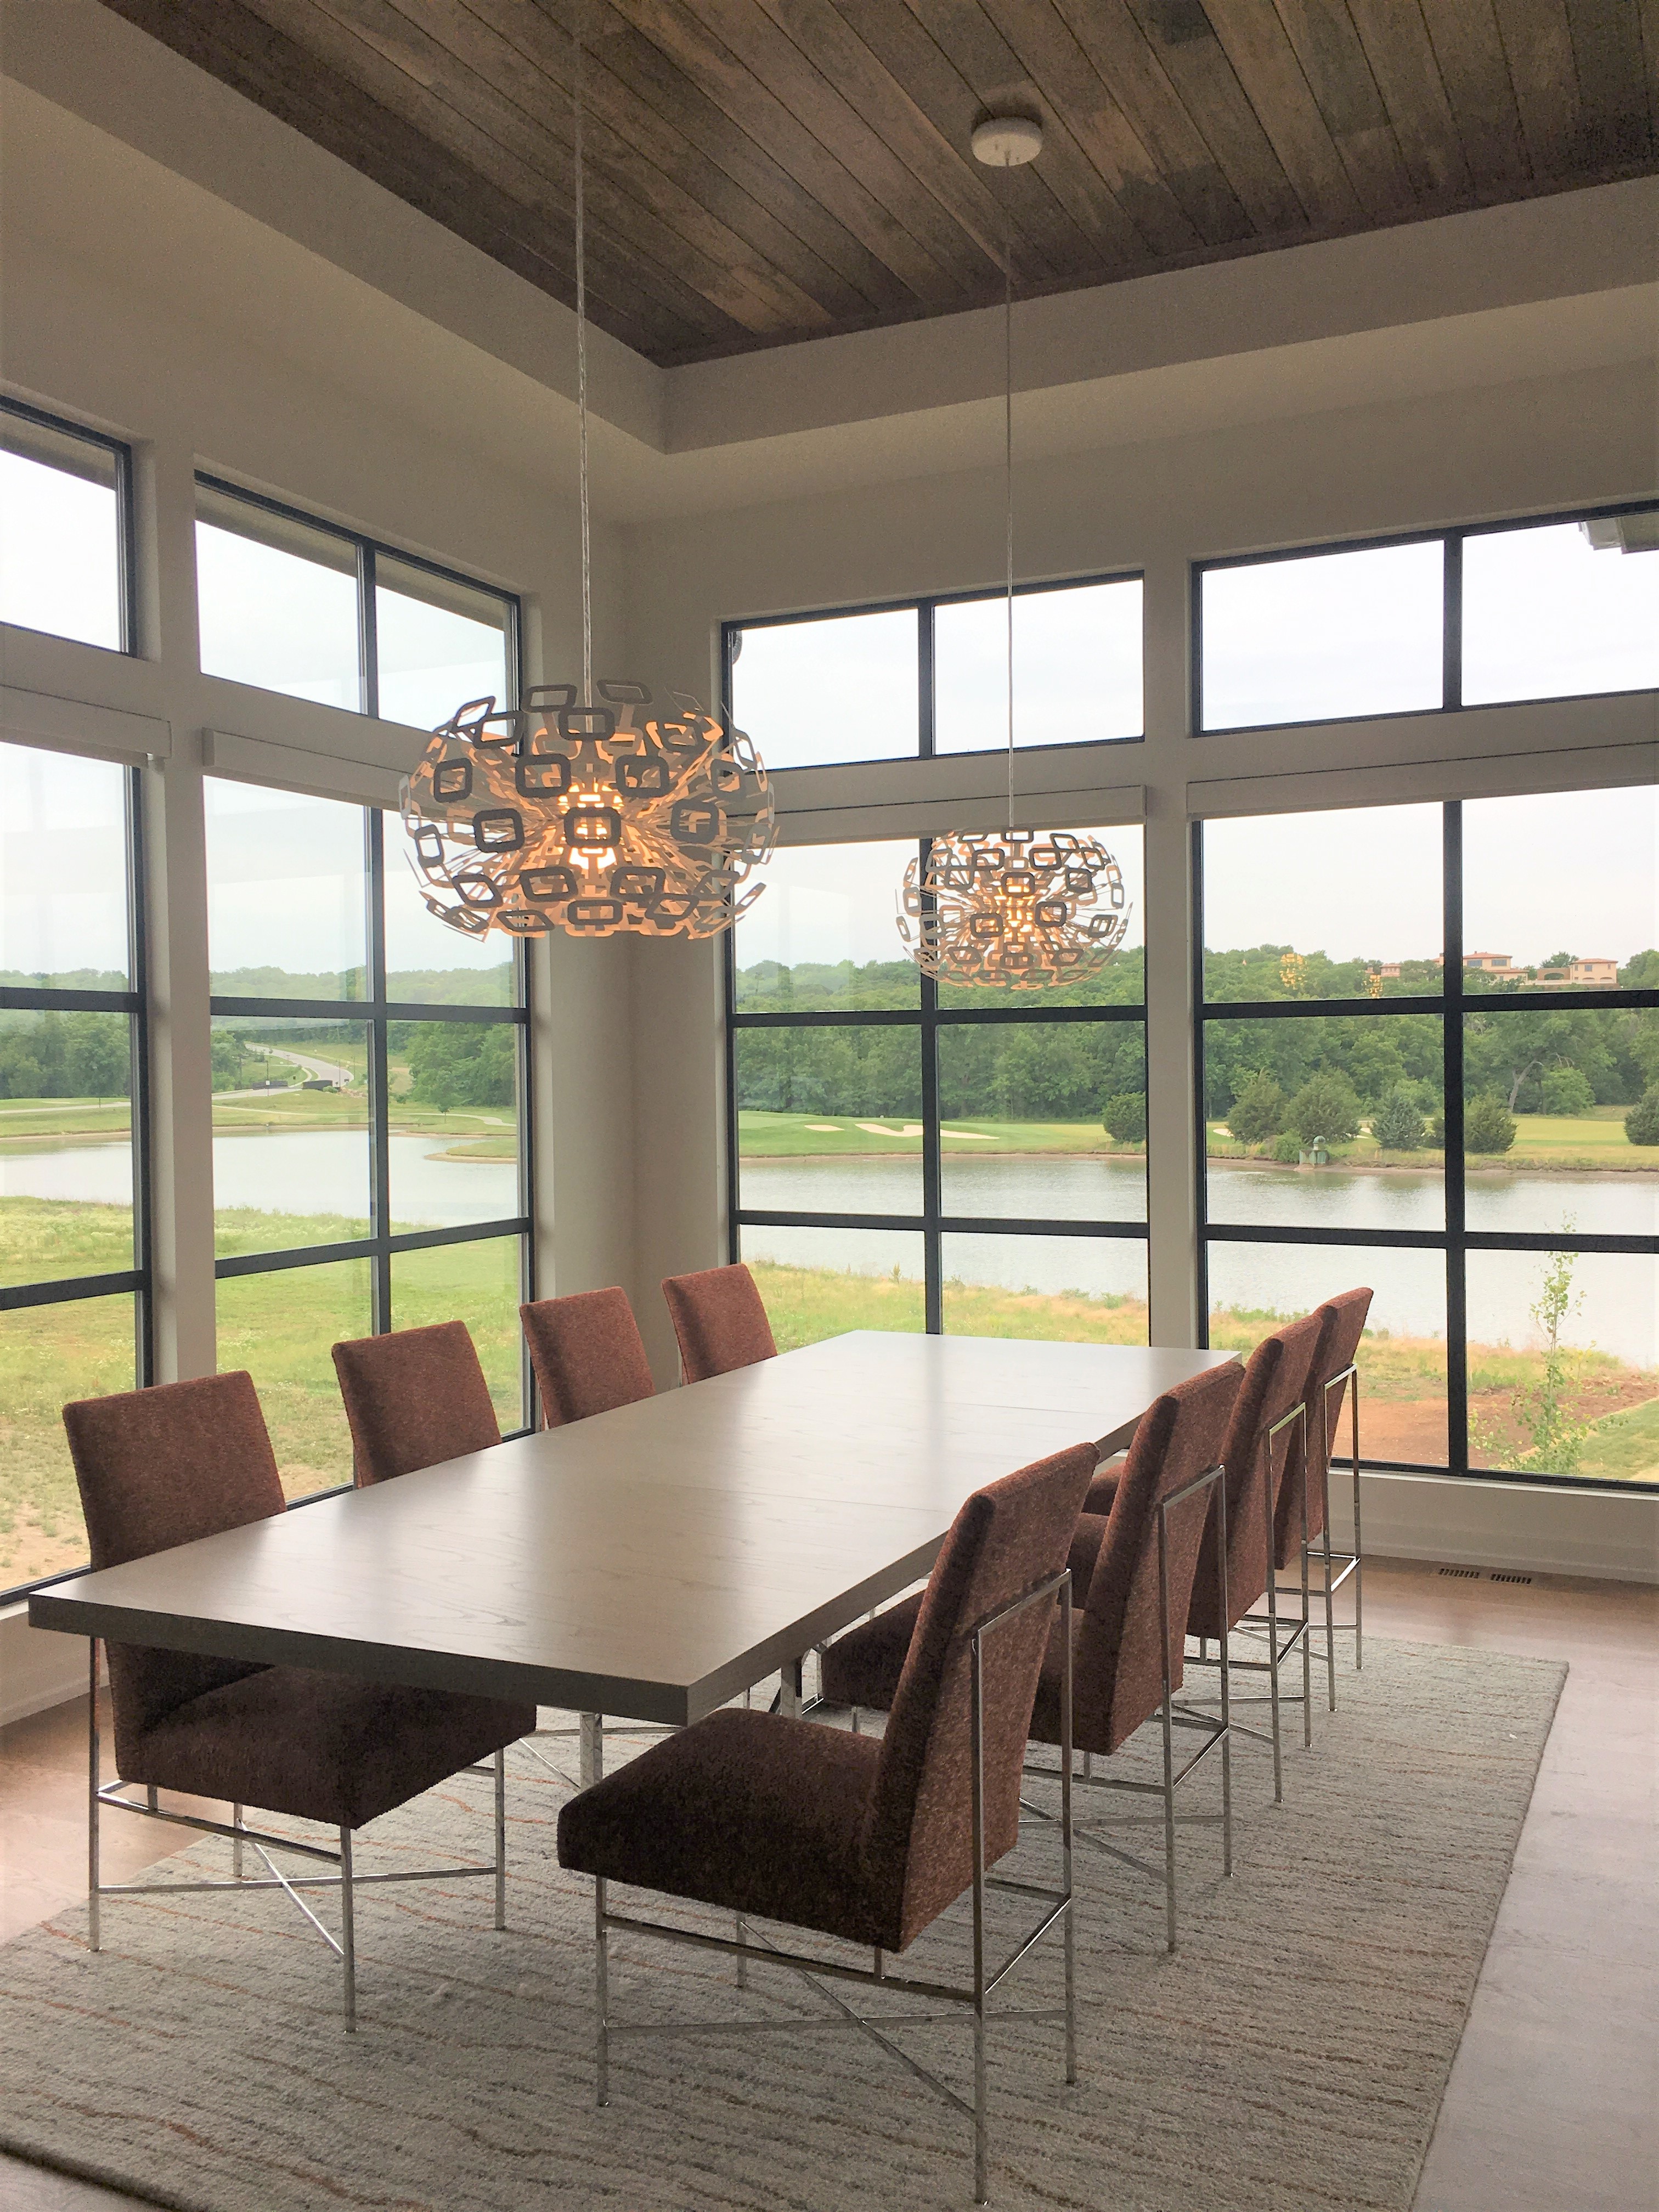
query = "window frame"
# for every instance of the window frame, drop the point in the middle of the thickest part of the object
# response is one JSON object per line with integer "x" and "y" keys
{"x": 924, "y": 607}
{"x": 1453, "y": 538}
{"x": 134, "y": 1002}
{"x": 927, "y": 1017}
{"x": 126, "y": 532}
{"x": 375, "y": 1012}
{"x": 368, "y": 550}
{"x": 1456, "y": 1240}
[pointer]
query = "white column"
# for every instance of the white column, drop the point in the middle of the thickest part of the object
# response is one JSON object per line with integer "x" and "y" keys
{"x": 1171, "y": 1154}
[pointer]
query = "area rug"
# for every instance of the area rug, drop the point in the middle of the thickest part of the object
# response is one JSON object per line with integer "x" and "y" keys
{"x": 1289, "y": 2057}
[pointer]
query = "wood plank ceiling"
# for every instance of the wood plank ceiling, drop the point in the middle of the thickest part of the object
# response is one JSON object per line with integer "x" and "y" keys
{"x": 761, "y": 171}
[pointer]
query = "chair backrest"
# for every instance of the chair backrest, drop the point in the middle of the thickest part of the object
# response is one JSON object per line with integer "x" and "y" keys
{"x": 1120, "y": 1672}
{"x": 1345, "y": 1324}
{"x": 159, "y": 1468}
{"x": 1275, "y": 1380}
{"x": 720, "y": 1321}
{"x": 919, "y": 1830}
{"x": 414, "y": 1398}
{"x": 587, "y": 1353}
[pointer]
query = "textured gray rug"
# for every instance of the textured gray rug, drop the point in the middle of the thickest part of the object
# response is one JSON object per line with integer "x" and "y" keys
{"x": 1292, "y": 2054}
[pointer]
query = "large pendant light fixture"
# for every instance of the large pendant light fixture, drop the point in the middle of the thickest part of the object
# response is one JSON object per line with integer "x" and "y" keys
{"x": 610, "y": 807}
{"x": 1020, "y": 910}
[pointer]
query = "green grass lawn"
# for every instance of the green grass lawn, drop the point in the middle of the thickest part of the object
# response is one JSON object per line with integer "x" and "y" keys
{"x": 1588, "y": 1144}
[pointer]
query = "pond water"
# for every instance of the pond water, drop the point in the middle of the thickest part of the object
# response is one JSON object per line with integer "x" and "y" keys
{"x": 325, "y": 1172}
{"x": 1618, "y": 1308}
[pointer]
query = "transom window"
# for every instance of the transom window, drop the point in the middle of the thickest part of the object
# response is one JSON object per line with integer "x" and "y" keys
{"x": 65, "y": 530}
{"x": 930, "y": 676}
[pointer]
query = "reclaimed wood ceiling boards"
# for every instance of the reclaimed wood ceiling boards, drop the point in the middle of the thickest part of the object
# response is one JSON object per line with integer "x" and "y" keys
{"x": 761, "y": 170}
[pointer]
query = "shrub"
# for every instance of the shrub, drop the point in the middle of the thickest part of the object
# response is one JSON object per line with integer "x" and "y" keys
{"x": 1126, "y": 1117}
{"x": 1327, "y": 1106}
{"x": 1398, "y": 1125}
{"x": 1258, "y": 1112}
{"x": 1286, "y": 1151}
{"x": 1642, "y": 1122}
{"x": 1488, "y": 1125}
{"x": 1566, "y": 1091}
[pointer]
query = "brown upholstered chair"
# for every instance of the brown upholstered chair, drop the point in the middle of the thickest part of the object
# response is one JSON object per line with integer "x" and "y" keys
{"x": 1265, "y": 1446}
{"x": 1333, "y": 1376}
{"x": 587, "y": 1353}
{"x": 589, "y": 1358}
{"x": 867, "y": 1840}
{"x": 414, "y": 1398}
{"x": 720, "y": 1321}
{"x": 1137, "y": 1566}
{"x": 187, "y": 1460}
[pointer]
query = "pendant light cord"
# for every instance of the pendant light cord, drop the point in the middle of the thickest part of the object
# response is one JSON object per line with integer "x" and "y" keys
{"x": 1008, "y": 466}
{"x": 581, "y": 366}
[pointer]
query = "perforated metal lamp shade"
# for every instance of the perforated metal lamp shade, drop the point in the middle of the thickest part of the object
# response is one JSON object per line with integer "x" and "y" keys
{"x": 1024, "y": 909}
{"x": 626, "y": 813}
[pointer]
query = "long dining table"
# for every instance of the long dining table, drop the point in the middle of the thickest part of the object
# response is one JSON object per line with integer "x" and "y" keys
{"x": 651, "y": 1563}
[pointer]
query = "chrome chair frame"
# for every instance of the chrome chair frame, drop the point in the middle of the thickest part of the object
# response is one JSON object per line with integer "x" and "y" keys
{"x": 347, "y": 1880}
{"x": 1277, "y": 1652}
{"x": 1352, "y": 1562}
{"x": 812, "y": 1971}
{"x": 1173, "y": 1715}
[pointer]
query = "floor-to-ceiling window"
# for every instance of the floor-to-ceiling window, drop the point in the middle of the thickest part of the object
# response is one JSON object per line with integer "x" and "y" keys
{"x": 908, "y": 1155}
{"x": 1429, "y": 1062}
{"x": 370, "y": 1137}
{"x": 913, "y": 1157}
{"x": 74, "y": 1243}
{"x": 1430, "y": 1034}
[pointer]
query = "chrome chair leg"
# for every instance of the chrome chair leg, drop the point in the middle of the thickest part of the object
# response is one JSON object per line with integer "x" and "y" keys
{"x": 740, "y": 1929}
{"x": 501, "y": 1839}
{"x": 591, "y": 1768}
{"x": 236, "y": 1846}
{"x": 601, "y": 1997}
{"x": 94, "y": 1932}
{"x": 1307, "y": 1609}
{"x": 1272, "y": 1640}
{"x": 348, "y": 1934}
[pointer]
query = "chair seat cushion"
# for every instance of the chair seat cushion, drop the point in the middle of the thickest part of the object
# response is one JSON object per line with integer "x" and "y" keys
{"x": 863, "y": 1667}
{"x": 320, "y": 1746}
{"x": 753, "y": 1812}
{"x": 1102, "y": 1490}
{"x": 1086, "y": 1540}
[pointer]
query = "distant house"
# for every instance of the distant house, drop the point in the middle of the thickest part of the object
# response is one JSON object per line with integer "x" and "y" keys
{"x": 1497, "y": 965}
{"x": 1580, "y": 975}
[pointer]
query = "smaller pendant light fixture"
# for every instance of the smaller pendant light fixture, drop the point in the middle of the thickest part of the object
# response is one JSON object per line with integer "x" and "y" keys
{"x": 609, "y": 809}
{"x": 1020, "y": 910}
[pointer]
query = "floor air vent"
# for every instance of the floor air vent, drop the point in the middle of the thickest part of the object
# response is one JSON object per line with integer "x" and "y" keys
{"x": 1462, "y": 1574}
{"x": 1509, "y": 1578}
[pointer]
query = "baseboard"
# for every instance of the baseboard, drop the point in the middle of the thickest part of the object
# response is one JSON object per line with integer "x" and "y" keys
{"x": 1534, "y": 1528}
{"x": 39, "y": 1666}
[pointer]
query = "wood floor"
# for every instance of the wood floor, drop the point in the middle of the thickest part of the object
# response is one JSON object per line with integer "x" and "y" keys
{"x": 1553, "y": 2102}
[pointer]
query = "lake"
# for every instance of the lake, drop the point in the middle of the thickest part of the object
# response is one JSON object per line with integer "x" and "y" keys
{"x": 325, "y": 1172}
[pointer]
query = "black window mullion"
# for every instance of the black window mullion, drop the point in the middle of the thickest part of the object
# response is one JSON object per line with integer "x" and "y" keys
{"x": 1200, "y": 1099}
{"x": 379, "y": 1164}
{"x": 926, "y": 702}
{"x": 931, "y": 1242}
{"x": 369, "y": 638}
{"x": 138, "y": 1086}
{"x": 733, "y": 1170}
{"x": 1451, "y": 644}
{"x": 1457, "y": 1355}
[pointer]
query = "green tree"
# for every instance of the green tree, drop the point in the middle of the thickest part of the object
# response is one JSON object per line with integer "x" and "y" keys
{"x": 1327, "y": 1106}
{"x": 1398, "y": 1125}
{"x": 1564, "y": 1091}
{"x": 1642, "y": 1122}
{"x": 1126, "y": 1117}
{"x": 1258, "y": 1112}
{"x": 1555, "y": 1443}
{"x": 97, "y": 1055}
{"x": 462, "y": 1064}
{"x": 1488, "y": 1125}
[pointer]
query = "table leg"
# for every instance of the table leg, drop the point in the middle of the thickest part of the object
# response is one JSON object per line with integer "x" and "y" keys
{"x": 790, "y": 1687}
{"x": 593, "y": 1749}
